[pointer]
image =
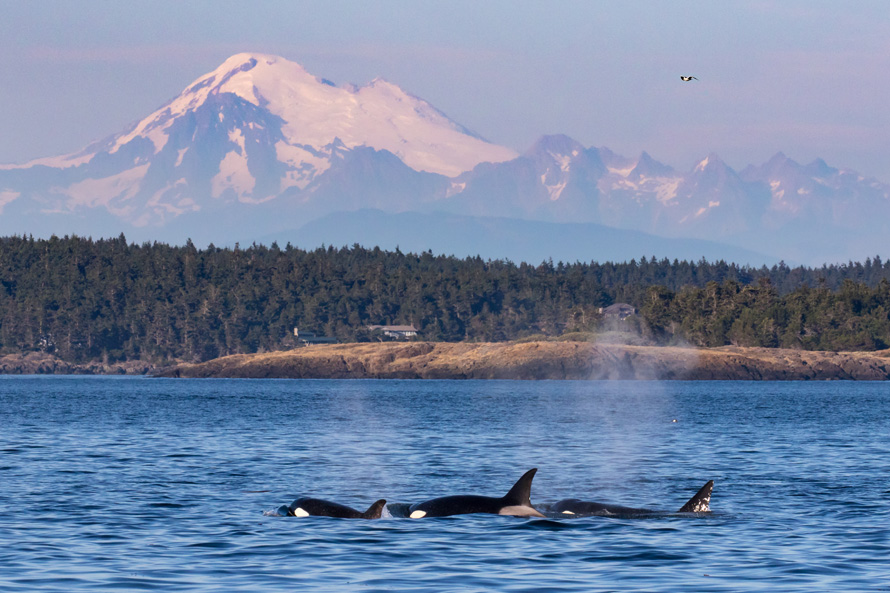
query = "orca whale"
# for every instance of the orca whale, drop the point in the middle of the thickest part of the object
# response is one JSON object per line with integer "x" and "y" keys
{"x": 700, "y": 503}
{"x": 517, "y": 503}
{"x": 316, "y": 507}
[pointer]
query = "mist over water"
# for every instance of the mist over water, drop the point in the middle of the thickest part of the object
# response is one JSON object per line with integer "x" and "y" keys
{"x": 132, "y": 483}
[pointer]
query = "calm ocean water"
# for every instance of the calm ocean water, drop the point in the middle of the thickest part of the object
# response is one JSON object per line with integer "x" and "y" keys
{"x": 122, "y": 484}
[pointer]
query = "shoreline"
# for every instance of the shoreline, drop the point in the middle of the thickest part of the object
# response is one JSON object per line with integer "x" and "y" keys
{"x": 41, "y": 363}
{"x": 495, "y": 360}
{"x": 541, "y": 361}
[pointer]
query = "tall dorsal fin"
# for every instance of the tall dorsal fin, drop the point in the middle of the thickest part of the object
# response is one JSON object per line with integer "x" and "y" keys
{"x": 520, "y": 493}
{"x": 375, "y": 510}
{"x": 701, "y": 501}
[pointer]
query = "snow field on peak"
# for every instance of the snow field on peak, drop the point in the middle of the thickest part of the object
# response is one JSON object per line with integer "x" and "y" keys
{"x": 380, "y": 115}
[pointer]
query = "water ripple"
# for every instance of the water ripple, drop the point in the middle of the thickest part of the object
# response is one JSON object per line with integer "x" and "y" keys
{"x": 120, "y": 484}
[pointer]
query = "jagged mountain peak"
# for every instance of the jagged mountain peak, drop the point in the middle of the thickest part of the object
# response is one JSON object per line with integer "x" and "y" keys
{"x": 712, "y": 167}
{"x": 646, "y": 166}
{"x": 557, "y": 145}
{"x": 779, "y": 165}
{"x": 820, "y": 168}
{"x": 709, "y": 162}
{"x": 781, "y": 162}
{"x": 615, "y": 163}
{"x": 782, "y": 168}
{"x": 553, "y": 155}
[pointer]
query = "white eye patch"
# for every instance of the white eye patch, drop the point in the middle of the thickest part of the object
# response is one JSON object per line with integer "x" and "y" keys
{"x": 418, "y": 514}
{"x": 300, "y": 512}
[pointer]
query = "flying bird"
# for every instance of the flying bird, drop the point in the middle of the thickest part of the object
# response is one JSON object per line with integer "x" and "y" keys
{"x": 687, "y": 78}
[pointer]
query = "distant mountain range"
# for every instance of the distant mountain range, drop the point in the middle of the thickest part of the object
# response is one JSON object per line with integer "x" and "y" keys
{"x": 503, "y": 238}
{"x": 260, "y": 148}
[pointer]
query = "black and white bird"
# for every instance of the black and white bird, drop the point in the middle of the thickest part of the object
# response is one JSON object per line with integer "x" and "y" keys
{"x": 687, "y": 78}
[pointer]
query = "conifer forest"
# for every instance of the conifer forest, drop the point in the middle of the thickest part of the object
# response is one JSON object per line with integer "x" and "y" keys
{"x": 110, "y": 300}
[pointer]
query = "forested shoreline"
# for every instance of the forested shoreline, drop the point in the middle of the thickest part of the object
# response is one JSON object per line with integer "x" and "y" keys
{"x": 109, "y": 300}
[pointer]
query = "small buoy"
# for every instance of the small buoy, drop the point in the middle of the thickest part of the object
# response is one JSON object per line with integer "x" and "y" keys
{"x": 674, "y": 420}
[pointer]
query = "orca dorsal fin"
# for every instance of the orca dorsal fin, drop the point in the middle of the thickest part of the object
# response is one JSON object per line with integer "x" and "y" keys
{"x": 521, "y": 492}
{"x": 375, "y": 510}
{"x": 701, "y": 501}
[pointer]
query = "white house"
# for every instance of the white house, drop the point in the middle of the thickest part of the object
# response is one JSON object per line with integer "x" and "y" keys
{"x": 395, "y": 331}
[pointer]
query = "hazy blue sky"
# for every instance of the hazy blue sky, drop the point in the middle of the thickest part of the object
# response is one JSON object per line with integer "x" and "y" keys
{"x": 810, "y": 78}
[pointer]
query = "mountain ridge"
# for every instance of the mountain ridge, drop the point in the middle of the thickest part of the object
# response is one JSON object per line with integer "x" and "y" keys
{"x": 261, "y": 139}
{"x": 502, "y": 239}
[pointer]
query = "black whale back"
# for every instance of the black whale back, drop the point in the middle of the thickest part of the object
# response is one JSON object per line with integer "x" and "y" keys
{"x": 518, "y": 496}
{"x": 325, "y": 508}
{"x": 375, "y": 510}
{"x": 521, "y": 492}
{"x": 701, "y": 502}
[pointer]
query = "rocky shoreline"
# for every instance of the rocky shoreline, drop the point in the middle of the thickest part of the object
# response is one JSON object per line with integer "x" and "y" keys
{"x": 541, "y": 360}
{"x": 41, "y": 363}
{"x": 502, "y": 360}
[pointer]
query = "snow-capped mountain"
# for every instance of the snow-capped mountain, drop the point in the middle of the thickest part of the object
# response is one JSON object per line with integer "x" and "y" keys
{"x": 811, "y": 213}
{"x": 561, "y": 180}
{"x": 261, "y": 146}
{"x": 256, "y": 129}
{"x": 816, "y": 192}
{"x": 554, "y": 180}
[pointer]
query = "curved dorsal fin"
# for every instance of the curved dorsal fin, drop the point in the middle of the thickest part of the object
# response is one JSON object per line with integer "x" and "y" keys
{"x": 375, "y": 510}
{"x": 701, "y": 501}
{"x": 520, "y": 493}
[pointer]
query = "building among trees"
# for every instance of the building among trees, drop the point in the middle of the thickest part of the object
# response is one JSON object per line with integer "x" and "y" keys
{"x": 305, "y": 338}
{"x": 399, "y": 332}
{"x": 619, "y": 311}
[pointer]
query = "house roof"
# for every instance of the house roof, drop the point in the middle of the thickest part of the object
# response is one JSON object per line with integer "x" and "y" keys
{"x": 394, "y": 328}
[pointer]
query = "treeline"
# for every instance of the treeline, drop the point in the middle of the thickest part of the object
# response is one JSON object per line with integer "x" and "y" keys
{"x": 110, "y": 300}
{"x": 854, "y": 317}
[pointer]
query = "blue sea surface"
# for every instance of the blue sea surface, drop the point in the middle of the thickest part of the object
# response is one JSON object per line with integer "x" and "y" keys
{"x": 126, "y": 484}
